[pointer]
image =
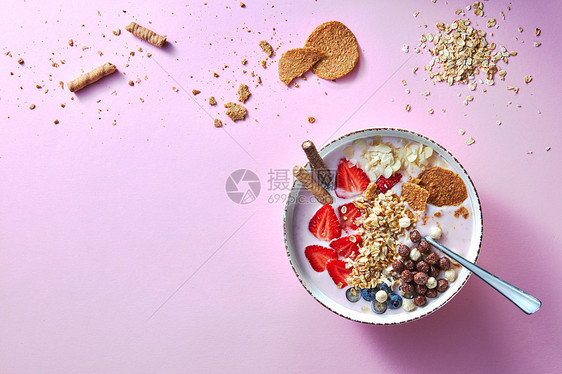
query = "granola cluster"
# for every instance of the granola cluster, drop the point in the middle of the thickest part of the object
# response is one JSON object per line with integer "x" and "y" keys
{"x": 384, "y": 220}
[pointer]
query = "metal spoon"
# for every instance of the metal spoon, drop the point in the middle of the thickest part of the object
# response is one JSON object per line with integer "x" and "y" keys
{"x": 527, "y": 303}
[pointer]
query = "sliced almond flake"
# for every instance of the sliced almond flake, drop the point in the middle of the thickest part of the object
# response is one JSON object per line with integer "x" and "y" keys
{"x": 462, "y": 132}
{"x": 537, "y": 44}
{"x": 470, "y": 141}
{"x": 537, "y": 31}
{"x": 408, "y": 107}
{"x": 430, "y": 111}
{"x": 547, "y": 149}
{"x": 349, "y": 152}
{"x": 528, "y": 79}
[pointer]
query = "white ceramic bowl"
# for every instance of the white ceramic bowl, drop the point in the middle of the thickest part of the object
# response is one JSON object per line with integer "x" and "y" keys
{"x": 312, "y": 280}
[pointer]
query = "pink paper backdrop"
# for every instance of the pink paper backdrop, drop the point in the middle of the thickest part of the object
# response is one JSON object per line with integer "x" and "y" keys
{"x": 121, "y": 253}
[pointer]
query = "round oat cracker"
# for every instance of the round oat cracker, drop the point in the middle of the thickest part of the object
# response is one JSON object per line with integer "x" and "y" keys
{"x": 296, "y": 62}
{"x": 339, "y": 45}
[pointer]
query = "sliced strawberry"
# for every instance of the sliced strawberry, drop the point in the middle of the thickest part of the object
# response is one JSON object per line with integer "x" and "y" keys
{"x": 319, "y": 256}
{"x": 350, "y": 180}
{"x": 325, "y": 225}
{"x": 348, "y": 246}
{"x": 338, "y": 272}
{"x": 385, "y": 184}
{"x": 348, "y": 214}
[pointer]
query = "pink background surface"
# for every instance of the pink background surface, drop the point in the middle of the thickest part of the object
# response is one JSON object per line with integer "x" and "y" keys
{"x": 121, "y": 253}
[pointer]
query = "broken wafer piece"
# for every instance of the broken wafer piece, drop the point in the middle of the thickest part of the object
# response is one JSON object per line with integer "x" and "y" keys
{"x": 415, "y": 196}
{"x": 310, "y": 184}
{"x": 296, "y": 62}
{"x": 339, "y": 45}
{"x": 323, "y": 175}
{"x": 146, "y": 34}
{"x": 91, "y": 77}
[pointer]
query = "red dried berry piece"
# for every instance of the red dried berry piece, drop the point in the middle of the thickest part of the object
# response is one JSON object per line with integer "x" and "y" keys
{"x": 385, "y": 184}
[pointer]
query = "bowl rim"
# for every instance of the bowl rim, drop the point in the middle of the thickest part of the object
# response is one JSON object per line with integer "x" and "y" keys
{"x": 480, "y": 236}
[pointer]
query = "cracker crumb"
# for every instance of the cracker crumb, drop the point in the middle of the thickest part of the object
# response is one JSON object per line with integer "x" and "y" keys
{"x": 547, "y": 149}
{"x": 242, "y": 5}
{"x": 218, "y": 122}
{"x": 408, "y": 107}
{"x": 311, "y": 119}
{"x": 56, "y": 121}
{"x": 195, "y": 92}
{"x": 117, "y": 32}
{"x": 462, "y": 212}
{"x": 528, "y": 79}
{"x": 215, "y": 75}
{"x": 266, "y": 47}
{"x": 212, "y": 100}
{"x": 20, "y": 60}
{"x": 131, "y": 83}
{"x": 32, "y": 106}
{"x": 244, "y": 61}
{"x": 537, "y": 31}
{"x": 71, "y": 42}
{"x": 295, "y": 62}
{"x": 462, "y": 132}
{"x": 243, "y": 93}
{"x": 235, "y": 111}
{"x": 415, "y": 196}
{"x": 430, "y": 111}
{"x": 537, "y": 44}
{"x": 264, "y": 64}
{"x": 175, "y": 89}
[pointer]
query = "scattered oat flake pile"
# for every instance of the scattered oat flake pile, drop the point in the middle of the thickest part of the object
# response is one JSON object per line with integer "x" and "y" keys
{"x": 461, "y": 52}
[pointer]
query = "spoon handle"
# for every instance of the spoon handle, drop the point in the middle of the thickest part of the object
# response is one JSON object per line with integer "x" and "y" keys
{"x": 527, "y": 303}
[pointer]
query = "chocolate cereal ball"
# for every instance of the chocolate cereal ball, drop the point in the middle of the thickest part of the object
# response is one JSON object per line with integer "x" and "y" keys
{"x": 398, "y": 266}
{"x": 407, "y": 287}
{"x": 431, "y": 293}
{"x": 432, "y": 258}
{"x": 420, "y": 278}
{"x": 423, "y": 247}
{"x": 415, "y": 236}
{"x": 422, "y": 266}
{"x": 407, "y": 276}
{"x": 444, "y": 263}
{"x": 404, "y": 251}
{"x": 442, "y": 285}
{"x": 420, "y": 300}
{"x": 421, "y": 289}
{"x": 434, "y": 271}
{"x": 409, "y": 264}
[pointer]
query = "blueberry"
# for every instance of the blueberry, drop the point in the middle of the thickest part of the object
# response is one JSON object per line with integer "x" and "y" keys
{"x": 383, "y": 286}
{"x": 353, "y": 294}
{"x": 378, "y": 308}
{"x": 394, "y": 301}
{"x": 368, "y": 293}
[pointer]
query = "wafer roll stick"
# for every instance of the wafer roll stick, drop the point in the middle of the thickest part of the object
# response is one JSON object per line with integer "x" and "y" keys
{"x": 310, "y": 184}
{"x": 146, "y": 34}
{"x": 91, "y": 77}
{"x": 322, "y": 173}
